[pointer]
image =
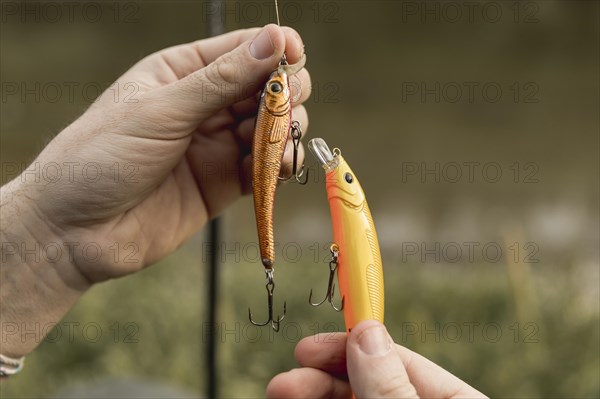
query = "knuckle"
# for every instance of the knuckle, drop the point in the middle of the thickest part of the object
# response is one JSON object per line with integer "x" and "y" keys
{"x": 226, "y": 69}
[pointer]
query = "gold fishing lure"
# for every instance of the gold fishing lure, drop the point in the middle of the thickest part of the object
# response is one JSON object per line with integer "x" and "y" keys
{"x": 273, "y": 125}
{"x": 270, "y": 137}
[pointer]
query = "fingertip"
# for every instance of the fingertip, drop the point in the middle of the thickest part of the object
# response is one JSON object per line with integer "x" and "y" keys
{"x": 307, "y": 383}
{"x": 300, "y": 114}
{"x": 277, "y": 34}
{"x": 301, "y": 86}
{"x": 268, "y": 44}
{"x": 303, "y": 347}
{"x": 325, "y": 351}
{"x": 294, "y": 46}
{"x": 362, "y": 327}
{"x": 277, "y": 386}
{"x": 245, "y": 131}
{"x": 290, "y": 384}
{"x": 285, "y": 39}
{"x": 278, "y": 39}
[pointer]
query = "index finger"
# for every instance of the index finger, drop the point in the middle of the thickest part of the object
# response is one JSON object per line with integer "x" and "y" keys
{"x": 325, "y": 351}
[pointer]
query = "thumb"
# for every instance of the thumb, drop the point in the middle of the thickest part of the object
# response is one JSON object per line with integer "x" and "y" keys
{"x": 375, "y": 369}
{"x": 232, "y": 77}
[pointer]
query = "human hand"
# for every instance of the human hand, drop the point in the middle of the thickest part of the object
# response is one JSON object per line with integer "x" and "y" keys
{"x": 368, "y": 364}
{"x": 173, "y": 154}
{"x": 160, "y": 160}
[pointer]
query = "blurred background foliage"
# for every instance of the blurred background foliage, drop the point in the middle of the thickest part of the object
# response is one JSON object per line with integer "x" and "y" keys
{"x": 524, "y": 325}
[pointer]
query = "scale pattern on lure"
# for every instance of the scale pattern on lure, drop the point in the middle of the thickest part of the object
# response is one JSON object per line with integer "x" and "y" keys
{"x": 273, "y": 125}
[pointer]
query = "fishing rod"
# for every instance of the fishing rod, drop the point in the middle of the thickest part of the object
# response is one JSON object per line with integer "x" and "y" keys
{"x": 215, "y": 27}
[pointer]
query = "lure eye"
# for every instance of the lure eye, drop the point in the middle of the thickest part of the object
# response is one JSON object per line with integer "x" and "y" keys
{"x": 348, "y": 177}
{"x": 275, "y": 87}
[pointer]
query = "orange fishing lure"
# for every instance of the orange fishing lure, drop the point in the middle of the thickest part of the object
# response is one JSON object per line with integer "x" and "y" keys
{"x": 356, "y": 253}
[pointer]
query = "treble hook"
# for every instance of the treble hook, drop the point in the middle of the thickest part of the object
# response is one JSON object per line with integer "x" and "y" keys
{"x": 270, "y": 286}
{"x": 330, "y": 285}
{"x": 296, "y": 133}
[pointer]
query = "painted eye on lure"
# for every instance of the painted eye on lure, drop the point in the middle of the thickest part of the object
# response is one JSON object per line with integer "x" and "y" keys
{"x": 348, "y": 177}
{"x": 275, "y": 87}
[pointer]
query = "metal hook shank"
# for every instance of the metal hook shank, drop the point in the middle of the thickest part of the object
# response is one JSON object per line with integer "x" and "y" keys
{"x": 330, "y": 284}
{"x": 296, "y": 133}
{"x": 270, "y": 286}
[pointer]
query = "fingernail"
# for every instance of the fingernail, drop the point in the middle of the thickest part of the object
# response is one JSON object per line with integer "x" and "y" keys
{"x": 374, "y": 341}
{"x": 262, "y": 46}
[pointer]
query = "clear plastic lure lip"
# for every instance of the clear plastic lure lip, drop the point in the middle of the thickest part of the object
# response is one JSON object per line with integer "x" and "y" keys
{"x": 318, "y": 147}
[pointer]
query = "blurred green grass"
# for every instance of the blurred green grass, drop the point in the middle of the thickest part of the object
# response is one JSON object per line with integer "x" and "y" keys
{"x": 550, "y": 308}
{"x": 428, "y": 309}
